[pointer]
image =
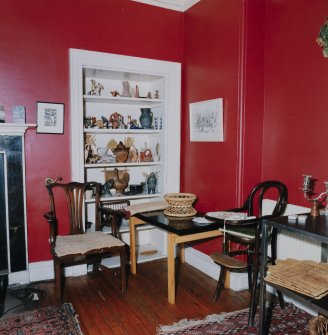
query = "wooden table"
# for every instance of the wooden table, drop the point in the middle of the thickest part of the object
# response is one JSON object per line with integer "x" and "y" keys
{"x": 179, "y": 231}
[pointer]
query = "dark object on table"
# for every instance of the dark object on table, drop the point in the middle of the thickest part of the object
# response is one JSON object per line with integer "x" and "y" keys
{"x": 67, "y": 250}
{"x": 235, "y": 232}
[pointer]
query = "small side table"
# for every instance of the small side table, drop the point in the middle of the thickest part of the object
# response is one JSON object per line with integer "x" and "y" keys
{"x": 3, "y": 289}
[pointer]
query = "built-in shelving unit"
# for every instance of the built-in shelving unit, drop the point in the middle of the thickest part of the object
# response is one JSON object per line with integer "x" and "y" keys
{"x": 160, "y": 80}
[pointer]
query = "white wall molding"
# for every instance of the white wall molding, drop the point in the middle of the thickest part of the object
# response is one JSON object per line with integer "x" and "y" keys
{"x": 177, "y": 5}
{"x": 15, "y": 129}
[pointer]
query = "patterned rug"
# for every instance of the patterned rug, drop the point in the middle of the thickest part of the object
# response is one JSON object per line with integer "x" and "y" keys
{"x": 290, "y": 320}
{"x": 53, "y": 320}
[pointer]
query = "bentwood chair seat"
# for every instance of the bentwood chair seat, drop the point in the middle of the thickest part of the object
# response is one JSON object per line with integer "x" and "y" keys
{"x": 70, "y": 242}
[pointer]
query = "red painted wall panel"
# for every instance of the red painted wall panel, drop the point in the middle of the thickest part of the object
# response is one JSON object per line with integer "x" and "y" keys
{"x": 210, "y": 70}
{"x": 296, "y": 81}
{"x": 224, "y": 57}
{"x": 253, "y": 90}
{"x": 34, "y": 66}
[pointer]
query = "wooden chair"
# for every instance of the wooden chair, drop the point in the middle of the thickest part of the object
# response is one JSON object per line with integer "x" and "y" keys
{"x": 76, "y": 246}
{"x": 247, "y": 233}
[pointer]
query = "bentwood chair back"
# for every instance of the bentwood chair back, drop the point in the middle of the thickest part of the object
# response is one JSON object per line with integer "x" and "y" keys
{"x": 242, "y": 238}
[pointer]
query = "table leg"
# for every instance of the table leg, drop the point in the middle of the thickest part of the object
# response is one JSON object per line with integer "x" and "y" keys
{"x": 133, "y": 258}
{"x": 324, "y": 252}
{"x": 170, "y": 268}
{"x": 182, "y": 252}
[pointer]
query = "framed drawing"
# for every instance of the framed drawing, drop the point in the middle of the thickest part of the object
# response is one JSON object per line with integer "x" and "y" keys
{"x": 50, "y": 117}
{"x": 18, "y": 114}
{"x": 206, "y": 121}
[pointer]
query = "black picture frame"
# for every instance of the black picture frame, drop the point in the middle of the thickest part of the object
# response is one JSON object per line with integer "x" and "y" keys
{"x": 50, "y": 117}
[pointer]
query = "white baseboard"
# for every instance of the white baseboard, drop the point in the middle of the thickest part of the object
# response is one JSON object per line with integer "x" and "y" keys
{"x": 39, "y": 271}
{"x": 45, "y": 271}
{"x": 18, "y": 278}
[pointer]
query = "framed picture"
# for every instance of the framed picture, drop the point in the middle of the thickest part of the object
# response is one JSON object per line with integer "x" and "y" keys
{"x": 206, "y": 121}
{"x": 50, "y": 117}
{"x": 18, "y": 114}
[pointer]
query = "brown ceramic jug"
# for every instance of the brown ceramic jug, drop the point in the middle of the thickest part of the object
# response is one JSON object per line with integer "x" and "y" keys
{"x": 121, "y": 152}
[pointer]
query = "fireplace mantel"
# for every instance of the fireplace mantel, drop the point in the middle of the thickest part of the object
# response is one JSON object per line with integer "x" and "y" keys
{"x": 15, "y": 128}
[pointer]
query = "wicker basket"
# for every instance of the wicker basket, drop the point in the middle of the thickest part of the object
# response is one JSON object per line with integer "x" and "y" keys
{"x": 180, "y": 204}
{"x": 318, "y": 325}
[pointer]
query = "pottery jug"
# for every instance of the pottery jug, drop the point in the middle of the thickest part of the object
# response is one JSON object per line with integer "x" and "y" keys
{"x": 121, "y": 152}
{"x": 146, "y": 118}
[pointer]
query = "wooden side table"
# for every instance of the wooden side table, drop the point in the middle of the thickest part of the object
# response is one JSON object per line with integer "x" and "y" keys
{"x": 315, "y": 228}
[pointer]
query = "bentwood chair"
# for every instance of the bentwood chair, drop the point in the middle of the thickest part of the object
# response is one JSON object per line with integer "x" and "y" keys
{"x": 245, "y": 236}
{"x": 70, "y": 243}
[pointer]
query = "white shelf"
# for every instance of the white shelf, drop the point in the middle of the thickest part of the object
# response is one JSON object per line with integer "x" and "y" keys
{"x": 113, "y": 165}
{"x": 121, "y": 100}
{"x": 121, "y": 131}
{"x": 148, "y": 76}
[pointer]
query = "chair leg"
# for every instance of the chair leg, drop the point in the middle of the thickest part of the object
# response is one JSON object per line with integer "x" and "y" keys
{"x": 123, "y": 269}
{"x": 220, "y": 284}
{"x": 250, "y": 263}
{"x": 281, "y": 300}
{"x": 253, "y": 302}
{"x": 58, "y": 282}
{"x": 95, "y": 266}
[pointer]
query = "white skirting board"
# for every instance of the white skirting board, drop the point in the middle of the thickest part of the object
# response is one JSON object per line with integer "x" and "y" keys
{"x": 288, "y": 246}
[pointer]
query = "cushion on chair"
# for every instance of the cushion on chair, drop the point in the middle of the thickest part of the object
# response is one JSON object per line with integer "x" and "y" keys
{"x": 227, "y": 261}
{"x": 82, "y": 243}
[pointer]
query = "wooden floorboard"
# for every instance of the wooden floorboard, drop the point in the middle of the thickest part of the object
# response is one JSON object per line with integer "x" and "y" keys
{"x": 103, "y": 309}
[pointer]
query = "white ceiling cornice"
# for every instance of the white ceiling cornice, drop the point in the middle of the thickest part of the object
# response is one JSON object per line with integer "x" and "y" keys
{"x": 178, "y": 5}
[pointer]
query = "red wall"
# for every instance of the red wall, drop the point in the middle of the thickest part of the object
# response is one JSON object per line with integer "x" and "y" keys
{"x": 211, "y": 70}
{"x": 260, "y": 56}
{"x": 296, "y": 82}
{"x": 224, "y": 57}
{"x": 34, "y": 42}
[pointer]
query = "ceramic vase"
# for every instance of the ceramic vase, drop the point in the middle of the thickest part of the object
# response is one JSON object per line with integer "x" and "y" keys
{"x": 146, "y": 118}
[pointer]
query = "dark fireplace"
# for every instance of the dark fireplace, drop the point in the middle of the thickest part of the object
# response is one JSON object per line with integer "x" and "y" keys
{"x": 12, "y": 189}
{"x": 13, "y": 245}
